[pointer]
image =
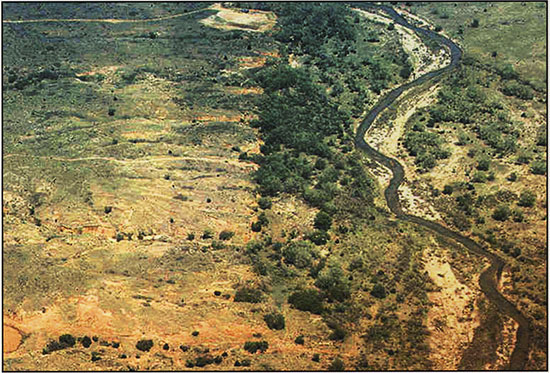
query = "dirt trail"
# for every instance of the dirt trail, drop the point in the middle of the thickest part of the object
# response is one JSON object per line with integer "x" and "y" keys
{"x": 105, "y": 20}
{"x": 139, "y": 160}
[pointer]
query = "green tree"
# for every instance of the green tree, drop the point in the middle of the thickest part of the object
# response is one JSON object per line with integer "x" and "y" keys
{"x": 501, "y": 213}
{"x": 527, "y": 199}
{"x": 323, "y": 221}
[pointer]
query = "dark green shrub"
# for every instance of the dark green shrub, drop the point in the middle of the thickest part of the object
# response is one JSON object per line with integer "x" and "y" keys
{"x": 501, "y": 213}
{"x": 254, "y": 346}
{"x": 226, "y": 235}
{"x": 264, "y": 203}
{"x": 483, "y": 164}
{"x": 337, "y": 365}
{"x": 190, "y": 236}
{"x": 527, "y": 199}
{"x": 298, "y": 253}
{"x": 249, "y": 295}
{"x": 107, "y": 209}
{"x": 517, "y": 216}
{"x": 299, "y": 340}
{"x": 67, "y": 340}
{"x": 322, "y": 221}
{"x": 256, "y": 226}
{"x": 334, "y": 283}
{"x": 86, "y": 341}
{"x": 307, "y": 300}
{"x": 275, "y": 321}
{"x": 144, "y": 345}
{"x": 448, "y": 189}
{"x": 316, "y": 358}
{"x": 538, "y": 167}
{"x": 318, "y": 237}
{"x": 338, "y": 333}
{"x": 514, "y": 88}
{"x": 207, "y": 234}
{"x": 512, "y": 177}
{"x": 378, "y": 291}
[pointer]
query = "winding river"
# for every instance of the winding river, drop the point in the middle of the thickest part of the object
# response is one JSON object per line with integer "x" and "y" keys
{"x": 489, "y": 278}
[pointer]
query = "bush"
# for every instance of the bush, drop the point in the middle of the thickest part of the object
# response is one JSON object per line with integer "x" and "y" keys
{"x": 253, "y": 346}
{"x": 190, "y": 236}
{"x": 207, "y": 234}
{"x": 275, "y": 321}
{"x": 501, "y": 213}
{"x": 144, "y": 345}
{"x": 318, "y": 237}
{"x": 322, "y": 221}
{"x": 86, "y": 341}
{"x": 256, "y": 226}
{"x": 298, "y": 253}
{"x": 299, "y": 340}
{"x": 334, "y": 283}
{"x": 338, "y": 333}
{"x": 514, "y": 88}
{"x": 67, "y": 340}
{"x": 475, "y": 23}
{"x": 308, "y": 300}
{"x": 226, "y": 235}
{"x": 264, "y": 203}
{"x": 517, "y": 216}
{"x": 378, "y": 291}
{"x": 448, "y": 189}
{"x": 483, "y": 164}
{"x": 512, "y": 177}
{"x": 249, "y": 295}
{"x": 538, "y": 167}
{"x": 527, "y": 199}
{"x": 337, "y": 365}
{"x": 316, "y": 358}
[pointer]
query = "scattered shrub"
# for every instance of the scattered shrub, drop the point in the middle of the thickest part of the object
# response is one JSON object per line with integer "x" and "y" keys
{"x": 207, "y": 234}
{"x": 337, "y": 365}
{"x": 67, "y": 340}
{"x": 527, "y": 199}
{"x": 86, "y": 341}
{"x": 226, "y": 235}
{"x": 501, "y": 213}
{"x": 144, "y": 345}
{"x": 256, "y": 226}
{"x": 264, "y": 203}
{"x": 254, "y": 346}
{"x": 318, "y": 237}
{"x": 307, "y": 300}
{"x": 299, "y": 340}
{"x": 538, "y": 167}
{"x": 378, "y": 291}
{"x": 298, "y": 253}
{"x": 448, "y": 189}
{"x": 249, "y": 295}
{"x": 334, "y": 283}
{"x": 275, "y": 321}
{"x": 322, "y": 221}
